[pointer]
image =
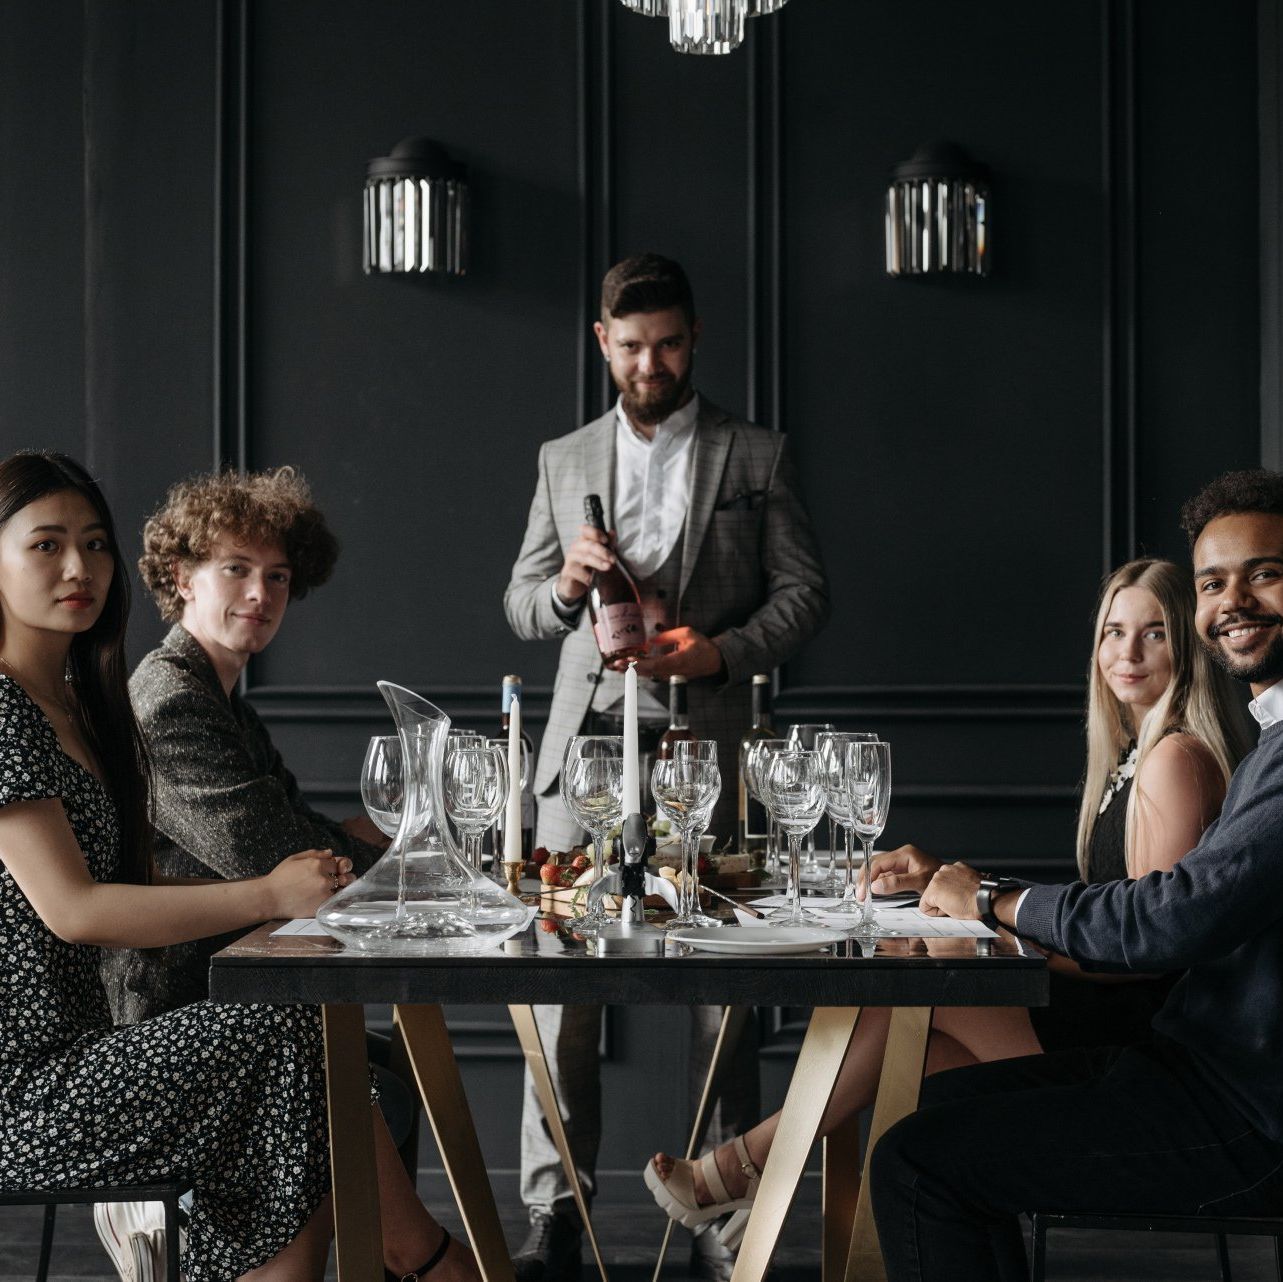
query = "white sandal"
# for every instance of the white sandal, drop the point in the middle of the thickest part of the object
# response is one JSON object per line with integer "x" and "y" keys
{"x": 676, "y": 1195}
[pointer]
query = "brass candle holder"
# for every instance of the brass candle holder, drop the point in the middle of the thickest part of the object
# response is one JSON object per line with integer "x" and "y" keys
{"x": 513, "y": 870}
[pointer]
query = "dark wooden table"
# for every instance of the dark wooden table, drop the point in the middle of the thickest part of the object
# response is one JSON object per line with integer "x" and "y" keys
{"x": 541, "y": 966}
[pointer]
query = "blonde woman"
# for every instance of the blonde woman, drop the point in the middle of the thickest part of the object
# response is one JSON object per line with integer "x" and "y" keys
{"x": 1161, "y": 746}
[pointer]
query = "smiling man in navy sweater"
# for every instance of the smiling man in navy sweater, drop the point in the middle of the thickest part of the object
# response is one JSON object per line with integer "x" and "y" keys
{"x": 1190, "y": 1122}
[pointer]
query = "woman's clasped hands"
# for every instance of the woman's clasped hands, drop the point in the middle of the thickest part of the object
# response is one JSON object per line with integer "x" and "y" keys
{"x": 301, "y": 883}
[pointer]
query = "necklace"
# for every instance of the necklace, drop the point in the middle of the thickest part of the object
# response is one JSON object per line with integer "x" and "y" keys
{"x": 47, "y": 698}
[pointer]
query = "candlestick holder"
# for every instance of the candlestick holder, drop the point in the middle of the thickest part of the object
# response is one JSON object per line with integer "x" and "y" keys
{"x": 631, "y": 880}
{"x": 512, "y": 871}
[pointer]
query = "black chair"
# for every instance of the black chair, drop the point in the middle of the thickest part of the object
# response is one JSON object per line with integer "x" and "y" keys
{"x": 1219, "y": 1225}
{"x": 51, "y": 1199}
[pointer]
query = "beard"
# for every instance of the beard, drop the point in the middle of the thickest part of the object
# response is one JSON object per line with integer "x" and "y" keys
{"x": 652, "y": 403}
{"x": 1259, "y": 670}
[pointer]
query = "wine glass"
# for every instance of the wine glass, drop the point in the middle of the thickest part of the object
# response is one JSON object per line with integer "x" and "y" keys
{"x": 592, "y": 786}
{"x": 868, "y": 782}
{"x": 795, "y": 795}
{"x": 383, "y": 782}
{"x": 476, "y": 790}
{"x": 802, "y": 736}
{"x": 686, "y": 788}
{"x": 830, "y": 747}
{"x": 754, "y": 776}
{"x": 498, "y": 842}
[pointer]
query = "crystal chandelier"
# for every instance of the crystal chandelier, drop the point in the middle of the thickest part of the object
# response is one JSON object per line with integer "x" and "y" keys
{"x": 704, "y": 26}
{"x": 416, "y": 211}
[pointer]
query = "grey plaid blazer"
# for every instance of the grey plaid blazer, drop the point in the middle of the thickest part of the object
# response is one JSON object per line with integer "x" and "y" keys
{"x": 751, "y": 574}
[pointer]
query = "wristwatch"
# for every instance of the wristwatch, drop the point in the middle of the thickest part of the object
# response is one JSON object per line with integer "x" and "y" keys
{"x": 990, "y": 888}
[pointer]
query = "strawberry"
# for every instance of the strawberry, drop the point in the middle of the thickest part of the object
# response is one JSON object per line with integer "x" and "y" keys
{"x": 704, "y": 865}
{"x": 580, "y": 862}
{"x": 539, "y": 856}
{"x": 567, "y": 876}
{"x": 550, "y": 875}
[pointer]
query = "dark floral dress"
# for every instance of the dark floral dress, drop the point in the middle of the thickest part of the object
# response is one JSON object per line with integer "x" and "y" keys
{"x": 229, "y": 1098}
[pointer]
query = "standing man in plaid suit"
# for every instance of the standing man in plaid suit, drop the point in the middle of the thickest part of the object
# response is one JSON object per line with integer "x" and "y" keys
{"x": 704, "y": 509}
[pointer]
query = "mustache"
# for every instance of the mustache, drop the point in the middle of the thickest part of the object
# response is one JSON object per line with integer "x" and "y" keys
{"x": 1238, "y": 620}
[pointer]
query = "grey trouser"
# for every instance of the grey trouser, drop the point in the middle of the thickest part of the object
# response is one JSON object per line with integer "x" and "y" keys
{"x": 571, "y": 1036}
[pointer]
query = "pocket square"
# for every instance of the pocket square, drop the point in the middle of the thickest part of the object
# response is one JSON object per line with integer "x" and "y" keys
{"x": 744, "y": 501}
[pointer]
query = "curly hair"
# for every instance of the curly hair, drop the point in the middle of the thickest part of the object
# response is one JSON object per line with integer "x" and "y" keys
{"x": 259, "y": 507}
{"x": 1252, "y": 490}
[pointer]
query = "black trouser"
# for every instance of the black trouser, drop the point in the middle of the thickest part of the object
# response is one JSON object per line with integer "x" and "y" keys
{"x": 1135, "y": 1130}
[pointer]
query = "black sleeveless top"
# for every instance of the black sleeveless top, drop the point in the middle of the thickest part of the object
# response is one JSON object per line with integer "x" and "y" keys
{"x": 1084, "y": 1012}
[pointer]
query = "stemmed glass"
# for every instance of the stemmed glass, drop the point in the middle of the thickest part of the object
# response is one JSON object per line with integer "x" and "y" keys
{"x": 802, "y": 736}
{"x": 476, "y": 790}
{"x": 592, "y": 786}
{"x": 868, "y": 782}
{"x": 830, "y": 747}
{"x": 686, "y": 789}
{"x": 383, "y": 782}
{"x": 795, "y": 794}
{"x": 754, "y": 777}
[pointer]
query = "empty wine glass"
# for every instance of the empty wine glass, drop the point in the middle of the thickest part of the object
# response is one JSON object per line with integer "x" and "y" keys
{"x": 830, "y": 747}
{"x": 592, "y": 786}
{"x": 795, "y": 794}
{"x": 476, "y": 790}
{"x": 686, "y": 789}
{"x": 868, "y": 781}
{"x": 802, "y": 736}
{"x": 754, "y": 776}
{"x": 383, "y": 782}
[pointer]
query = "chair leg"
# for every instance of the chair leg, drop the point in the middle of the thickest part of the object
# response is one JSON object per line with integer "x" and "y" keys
{"x": 1038, "y": 1271}
{"x": 1278, "y": 1258}
{"x": 1223, "y": 1257}
{"x": 171, "y": 1240}
{"x": 46, "y": 1242}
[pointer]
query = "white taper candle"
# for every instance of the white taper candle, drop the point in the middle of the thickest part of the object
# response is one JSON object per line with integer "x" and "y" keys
{"x": 632, "y": 788}
{"x": 512, "y": 816}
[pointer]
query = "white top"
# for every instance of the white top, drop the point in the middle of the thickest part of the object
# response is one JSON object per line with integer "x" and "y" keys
{"x": 1267, "y": 708}
{"x": 652, "y": 487}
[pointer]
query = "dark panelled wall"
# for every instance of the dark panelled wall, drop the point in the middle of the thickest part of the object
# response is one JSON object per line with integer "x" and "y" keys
{"x": 180, "y": 234}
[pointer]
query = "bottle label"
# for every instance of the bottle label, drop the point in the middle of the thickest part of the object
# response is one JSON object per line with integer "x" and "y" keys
{"x": 619, "y": 627}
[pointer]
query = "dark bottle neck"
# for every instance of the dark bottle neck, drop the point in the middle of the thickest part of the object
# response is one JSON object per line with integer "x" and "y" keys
{"x": 678, "y": 717}
{"x": 761, "y": 707}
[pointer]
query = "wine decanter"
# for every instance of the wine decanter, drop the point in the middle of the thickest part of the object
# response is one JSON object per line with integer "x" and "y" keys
{"x": 421, "y": 899}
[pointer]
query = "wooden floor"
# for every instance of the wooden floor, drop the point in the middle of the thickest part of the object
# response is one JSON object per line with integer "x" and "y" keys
{"x": 630, "y": 1240}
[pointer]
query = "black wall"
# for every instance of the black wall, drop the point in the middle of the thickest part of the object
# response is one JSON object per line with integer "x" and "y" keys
{"x": 181, "y": 285}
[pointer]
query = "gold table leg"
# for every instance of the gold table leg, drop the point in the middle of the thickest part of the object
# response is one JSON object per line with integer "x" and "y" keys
{"x": 827, "y": 1038}
{"x": 840, "y": 1188}
{"x": 898, "y": 1091}
{"x": 427, "y": 1044}
{"x": 358, "y": 1237}
{"x": 523, "y": 1020}
{"x": 728, "y": 1036}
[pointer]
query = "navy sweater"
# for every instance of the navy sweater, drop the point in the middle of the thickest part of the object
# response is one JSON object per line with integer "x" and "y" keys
{"x": 1219, "y": 913}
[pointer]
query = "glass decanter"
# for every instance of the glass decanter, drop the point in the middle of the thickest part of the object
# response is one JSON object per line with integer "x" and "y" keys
{"x": 421, "y": 899}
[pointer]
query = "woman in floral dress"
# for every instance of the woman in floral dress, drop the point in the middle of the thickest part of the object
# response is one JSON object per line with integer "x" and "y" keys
{"x": 230, "y": 1098}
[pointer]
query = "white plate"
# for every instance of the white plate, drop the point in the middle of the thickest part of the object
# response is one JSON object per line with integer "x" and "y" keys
{"x": 763, "y": 940}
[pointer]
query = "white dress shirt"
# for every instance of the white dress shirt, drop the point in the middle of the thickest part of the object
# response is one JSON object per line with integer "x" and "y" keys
{"x": 652, "y": 486}
{"x": 1267, "y": 708}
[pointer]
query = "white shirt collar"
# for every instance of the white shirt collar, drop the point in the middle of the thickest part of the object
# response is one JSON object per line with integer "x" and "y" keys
{"x": 669, "y": 431}
{"x": 1267, "y": 708}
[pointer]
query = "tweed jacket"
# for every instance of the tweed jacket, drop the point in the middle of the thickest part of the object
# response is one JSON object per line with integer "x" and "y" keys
{"x": 223, "y": 805}
{"x": 751, "y": 575}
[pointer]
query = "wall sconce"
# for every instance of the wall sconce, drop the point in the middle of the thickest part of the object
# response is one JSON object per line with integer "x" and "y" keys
{"x": 416, "y": 211}
{"x": 704, "y": 26}
{"x": 937, "y": 214}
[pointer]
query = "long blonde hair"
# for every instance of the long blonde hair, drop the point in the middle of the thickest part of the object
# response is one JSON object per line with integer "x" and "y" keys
{"x": 1195, "y": 702}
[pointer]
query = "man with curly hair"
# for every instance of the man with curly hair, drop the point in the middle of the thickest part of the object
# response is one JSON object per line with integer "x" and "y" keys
{"x": 223, "y": 558}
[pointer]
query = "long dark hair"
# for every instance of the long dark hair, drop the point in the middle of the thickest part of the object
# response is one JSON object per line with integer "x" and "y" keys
{"x": 96, "y": 662}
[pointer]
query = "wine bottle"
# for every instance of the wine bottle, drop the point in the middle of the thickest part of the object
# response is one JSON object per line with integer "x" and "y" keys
{"x": 614, "y": 604}
{"x": 512, "y": 690}
{"x": 752, "y": 814}
{"x": 679, "y": 725}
